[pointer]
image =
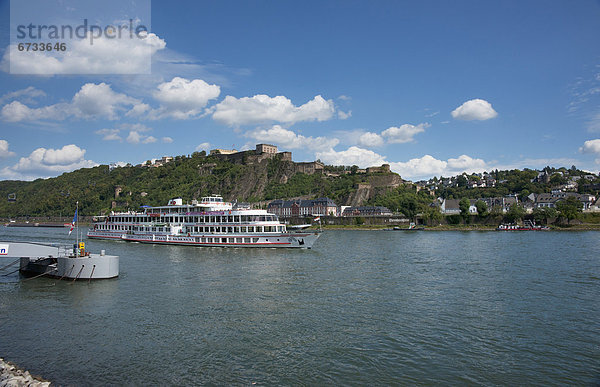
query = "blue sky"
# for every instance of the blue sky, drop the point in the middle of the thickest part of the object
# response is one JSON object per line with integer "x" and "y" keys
{"x": 430, "y": 87}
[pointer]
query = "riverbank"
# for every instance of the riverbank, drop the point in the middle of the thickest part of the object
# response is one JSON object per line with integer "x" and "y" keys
{"x": 457, "y": 227}
{"x": 11, "y": 375}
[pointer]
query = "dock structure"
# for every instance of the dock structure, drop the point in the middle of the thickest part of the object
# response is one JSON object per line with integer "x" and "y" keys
{"x": 60, "y": 261}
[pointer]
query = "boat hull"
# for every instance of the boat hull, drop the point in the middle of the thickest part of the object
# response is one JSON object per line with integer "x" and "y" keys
{"x": 283, "y": 240}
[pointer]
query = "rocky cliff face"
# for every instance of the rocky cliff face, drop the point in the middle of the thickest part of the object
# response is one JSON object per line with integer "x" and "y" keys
{"x": 249, "y": 180}
{"x": 377, "y": 184}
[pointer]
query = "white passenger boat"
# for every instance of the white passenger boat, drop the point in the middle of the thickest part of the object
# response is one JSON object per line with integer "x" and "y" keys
{"x": 208, "y": 222}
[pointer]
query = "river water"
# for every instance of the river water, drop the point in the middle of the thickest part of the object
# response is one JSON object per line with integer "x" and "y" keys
{"x": 360, "y": 308}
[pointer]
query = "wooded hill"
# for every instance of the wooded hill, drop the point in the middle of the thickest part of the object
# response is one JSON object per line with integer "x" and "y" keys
{"x": 188, "y": 177}
{"x": 191, "y": 177}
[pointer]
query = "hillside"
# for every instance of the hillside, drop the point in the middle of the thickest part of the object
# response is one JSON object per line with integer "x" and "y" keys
{"x": 259, "y": 177}
{"x": 101, "y": 189}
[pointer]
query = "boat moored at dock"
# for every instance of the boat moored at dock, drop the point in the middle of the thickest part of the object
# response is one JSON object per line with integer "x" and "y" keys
{"x": 210, "y": 222}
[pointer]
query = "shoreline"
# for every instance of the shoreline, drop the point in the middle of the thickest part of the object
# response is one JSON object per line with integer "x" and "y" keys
{"x": 578, "y": 227}
{"x": 370, "y": 227}
{"x": 12, "y": 375}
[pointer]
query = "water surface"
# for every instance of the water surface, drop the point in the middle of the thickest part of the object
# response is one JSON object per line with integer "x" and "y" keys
{"x": 361, "y": 307}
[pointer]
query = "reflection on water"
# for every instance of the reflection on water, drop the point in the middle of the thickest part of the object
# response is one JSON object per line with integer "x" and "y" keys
{"x": 360, "y": 308}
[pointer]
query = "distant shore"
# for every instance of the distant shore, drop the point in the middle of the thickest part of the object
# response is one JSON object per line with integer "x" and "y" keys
{"x": 459, "y": 227}
{"x": 371, "y": 227}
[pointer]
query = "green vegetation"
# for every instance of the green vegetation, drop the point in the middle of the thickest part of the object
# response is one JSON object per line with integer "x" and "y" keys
{"x": 191, "y": 177}
{"x": 404, "y": 199}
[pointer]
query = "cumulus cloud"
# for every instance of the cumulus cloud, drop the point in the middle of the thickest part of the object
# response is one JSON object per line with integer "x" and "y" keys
{"x": 591, "y": 146}
{"x": 182, "y": 99}
{"x": 404, "y": 133}
{"x": 351, "y": 156}
{"x": 167, "y": 140}
{"x": 392, "y": 135}
{"x": 27, "y": 95}
{"x": 17, "y": 111}
{"x": 105, "y": 56}
{"x": 92, "y": 101}
{"x": 205, "y": 146}
{"x": 417, "y": 168}
{"x": 342, "y": 115}
{"x": 428, "y": 166}
{"x": 370, "y": 139}
{"x": 263, "y": 109}
{"x": 475, "y": 109}
{"x": 288, "y": 139}
{"x": 109, "y": 134}
{"x": 100, "y": 101}
{"x": 4, "y": 152}
{"x": 44, "y": 162}
{"x": 135, "y": 135}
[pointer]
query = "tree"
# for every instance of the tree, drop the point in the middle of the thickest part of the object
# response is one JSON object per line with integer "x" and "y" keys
{"x": 542, "y": 214}
{"x": 482, "y": 208}
{"x": 515, "y": 213}
{"x": 462, "y": 181}
{"x": 569, "y": 207}
{"x": 433, "y": 215}
{"x": 464, "y": 205}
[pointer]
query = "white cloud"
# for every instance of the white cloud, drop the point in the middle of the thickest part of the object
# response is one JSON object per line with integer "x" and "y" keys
{"x": 100, "y": 101}
{"x": 16, "y": 112}
{"x": 425, "y": 166}
{"x": 27, "y": 95}
{"x": 417, "y": 168}
{"x": 343, "y": 116}
{"x": 352, "y": 156}
{"x": 136, "y": 127}
{"x": 205, "y": 146}
{"x": 288, "y": 139}
{"x": 135, "y": 135}
{"x": 475, "y": 109}
{"x": 44, "y": 162}
{"x": 92, "y": 101}
{"x": 105, "y": 56}
{"x": 183, "y": 99}
{"x": 466, "y": 163}
{"x": 167, "y": 140}
{"x": 263, "y": 109}
{"x": 109, "y": 134}
{"x": 370, "y": 139}
{"x": 4, "y": 152}
{"x": 591, "y": 146}
{"x": 404, "y": 133}
{"x": 428, "y": 166}
{"x": 138, "y": 109}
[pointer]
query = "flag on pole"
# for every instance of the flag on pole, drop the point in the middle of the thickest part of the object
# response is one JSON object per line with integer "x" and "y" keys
{"x": 73, "y": 222}
{"x": 317, "y": 219}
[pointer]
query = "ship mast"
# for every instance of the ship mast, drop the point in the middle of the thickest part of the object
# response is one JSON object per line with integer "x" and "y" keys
{"x": 77, "y": 227}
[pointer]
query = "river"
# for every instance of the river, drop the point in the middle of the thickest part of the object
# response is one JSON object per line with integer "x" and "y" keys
{"x": 360, "y": 308}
